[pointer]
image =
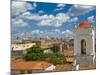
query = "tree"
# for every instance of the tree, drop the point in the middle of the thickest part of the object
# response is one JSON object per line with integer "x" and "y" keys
{"x": 56, "y": 58}
{"x": 36, "y": 53}
{"x": 34, "y": 49}
{"x": 55, "y": 48}
{"x": 34, "y": 56}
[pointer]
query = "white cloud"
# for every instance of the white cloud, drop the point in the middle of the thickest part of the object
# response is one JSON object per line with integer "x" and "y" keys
{"x": 30, "y": 16}
{"x": 35, "y": 31}
{"x": 58, "y": 9}
{"x": 49, "y": 20}
{"x": 91, "y": 19}
{"x": 26, "y": 13}
{"x": 46, "y": 20}
{"x": 62, "y": 17}
{"x": 53, "y": 33}
{"x": 61, "y": 5}
{"x": 77, "y": 10}
{"x": 74, "y": 19}
{"x": 57, "y": 30}
{"x": 18, "y": 23}
{"x": 83, "y": 6}
{"x": 55, "y": 21}
{"x": 34, "y": 5}
{"x": 20, "y": 7}
{"x": 43, "y": 20}
{"x": 68, "y": 33}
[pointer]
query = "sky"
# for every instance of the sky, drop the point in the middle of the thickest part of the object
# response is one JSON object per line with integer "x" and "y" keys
{"x": 40, "y": 19}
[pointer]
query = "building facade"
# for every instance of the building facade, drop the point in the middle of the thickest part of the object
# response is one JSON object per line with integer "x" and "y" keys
{"x": 18, "y": 50}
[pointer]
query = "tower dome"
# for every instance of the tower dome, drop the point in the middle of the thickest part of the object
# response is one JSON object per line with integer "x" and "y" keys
{"x": 84, "y": 25}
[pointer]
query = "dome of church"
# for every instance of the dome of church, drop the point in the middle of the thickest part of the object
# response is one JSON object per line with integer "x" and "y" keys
{"x": 84, "y": 25}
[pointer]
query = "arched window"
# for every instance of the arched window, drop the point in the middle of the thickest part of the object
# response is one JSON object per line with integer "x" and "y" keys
{"x": 83, "y": 46}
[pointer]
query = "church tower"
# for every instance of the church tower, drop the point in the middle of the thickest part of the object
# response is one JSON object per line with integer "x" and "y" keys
{"x": 84, "y": 42}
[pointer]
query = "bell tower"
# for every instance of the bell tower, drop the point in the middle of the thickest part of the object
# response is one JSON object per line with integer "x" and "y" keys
{"x": 84, "y": 40}
{"x": 84, "y": 43}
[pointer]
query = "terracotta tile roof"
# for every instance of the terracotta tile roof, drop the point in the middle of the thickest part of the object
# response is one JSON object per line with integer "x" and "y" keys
{"x": 29, "y": 65}
{"x": 69, "y": 52}
{"x": 63, "y": 67}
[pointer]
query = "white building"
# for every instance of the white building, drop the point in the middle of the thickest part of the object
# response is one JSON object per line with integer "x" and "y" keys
{"x": 21, "y": 46}
{"x": 18, "y": 49}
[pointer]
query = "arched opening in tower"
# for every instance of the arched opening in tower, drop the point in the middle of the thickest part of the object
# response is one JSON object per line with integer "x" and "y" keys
{"x": 83, "y": 46}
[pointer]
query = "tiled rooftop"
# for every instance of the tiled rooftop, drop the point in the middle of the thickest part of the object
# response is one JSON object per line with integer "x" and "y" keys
{"x": 28, "y": 65}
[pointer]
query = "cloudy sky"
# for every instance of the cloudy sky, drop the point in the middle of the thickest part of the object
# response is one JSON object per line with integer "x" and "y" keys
{"x": 48, "y": 19}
